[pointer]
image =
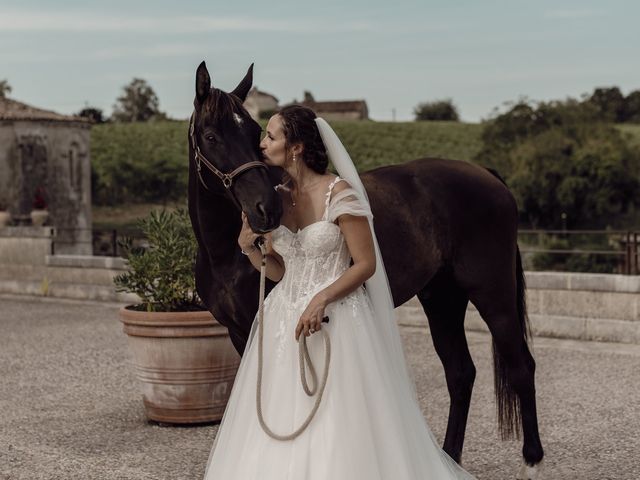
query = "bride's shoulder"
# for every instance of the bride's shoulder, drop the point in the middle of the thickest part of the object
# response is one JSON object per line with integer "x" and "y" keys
{"x": 339, "y": 184}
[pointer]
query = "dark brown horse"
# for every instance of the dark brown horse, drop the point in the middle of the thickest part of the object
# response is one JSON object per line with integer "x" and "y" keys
{"x": 447, "y": 232}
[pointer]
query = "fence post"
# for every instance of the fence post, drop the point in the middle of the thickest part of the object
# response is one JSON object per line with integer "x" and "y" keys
{"x": 627, "y": 256}
{"x": 635, "y": 253}
{"x": 114, "y": 243}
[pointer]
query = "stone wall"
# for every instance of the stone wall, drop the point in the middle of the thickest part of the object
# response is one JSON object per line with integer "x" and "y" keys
{"x": 583, "y": 306}
{"x": 55, "y": 156}
{"x": 28, "y": 268}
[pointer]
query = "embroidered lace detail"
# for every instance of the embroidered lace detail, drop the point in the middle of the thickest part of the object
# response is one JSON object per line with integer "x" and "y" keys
{"x": 314, "y": 257}
{"x": 328, "y": 197}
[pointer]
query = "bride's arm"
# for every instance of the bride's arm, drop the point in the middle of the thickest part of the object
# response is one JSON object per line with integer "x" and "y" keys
{"x": 354, "y": 224}
{"x": 359, "y": 239}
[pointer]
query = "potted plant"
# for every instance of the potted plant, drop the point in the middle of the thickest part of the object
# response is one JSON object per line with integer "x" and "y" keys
{"x": 182, "y": 356}
{"x": 39, "y": 214}
{"x": 5, "y": 216}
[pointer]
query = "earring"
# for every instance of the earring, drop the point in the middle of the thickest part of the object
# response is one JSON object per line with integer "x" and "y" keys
{"x": 294, "y": 157}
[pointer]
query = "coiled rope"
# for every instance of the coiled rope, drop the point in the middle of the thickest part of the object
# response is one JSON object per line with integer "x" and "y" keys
{"x": 304, "y": 358}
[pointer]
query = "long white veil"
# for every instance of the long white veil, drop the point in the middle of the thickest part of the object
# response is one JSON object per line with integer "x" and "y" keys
{"x": 377, "y": 285}
{"x": 379, "y": 293}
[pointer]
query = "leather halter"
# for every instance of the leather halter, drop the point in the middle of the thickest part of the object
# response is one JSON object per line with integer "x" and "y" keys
{"x": 227, "y": 178}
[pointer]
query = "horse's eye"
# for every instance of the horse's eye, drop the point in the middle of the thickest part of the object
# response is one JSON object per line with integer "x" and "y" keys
{"x": 210, "y": 138}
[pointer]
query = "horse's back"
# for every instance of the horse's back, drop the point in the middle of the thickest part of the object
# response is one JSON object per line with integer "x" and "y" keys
{"x": 431, "y": 212}
{"x": 457, "y": 193}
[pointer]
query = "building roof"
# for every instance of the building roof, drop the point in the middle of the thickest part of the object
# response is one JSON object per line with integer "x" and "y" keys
{"x": 260, "y": 93}
{"x": 337, "y": 106}
{"x": 13, "y": 110}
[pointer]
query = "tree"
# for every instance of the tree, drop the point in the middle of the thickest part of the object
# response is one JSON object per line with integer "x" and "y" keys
{"x": 610, "y": 103}
{"x": 438, "y": 110}
{"x": 560, "y": 158}
{"x": 138, "y": 103}
{"x": 5, "y": 88}
{"x": 92, "y": 113}
{"x": 632, "y": 107}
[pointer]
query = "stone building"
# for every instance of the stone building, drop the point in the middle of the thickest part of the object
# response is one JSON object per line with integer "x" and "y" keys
{"x": 260, "y": 104}
{"x": 46, "y": 151}
{"x": 337, "y": 109}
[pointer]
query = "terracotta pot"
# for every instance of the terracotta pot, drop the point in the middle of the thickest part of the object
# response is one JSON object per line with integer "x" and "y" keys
{"x": 38, "y": 217}
{"x": 185, "y": 362}
{"x": 5, "y": 217}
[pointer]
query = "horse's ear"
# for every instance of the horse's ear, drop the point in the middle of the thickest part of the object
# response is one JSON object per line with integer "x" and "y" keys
{"x": 244, "y": 86}
{"x": 203, "y": 83}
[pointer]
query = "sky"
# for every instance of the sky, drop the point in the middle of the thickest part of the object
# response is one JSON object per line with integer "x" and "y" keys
{"x": 63, "y": 55}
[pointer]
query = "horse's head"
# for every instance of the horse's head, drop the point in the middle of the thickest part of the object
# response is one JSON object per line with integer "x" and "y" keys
{"x": 224, "y": 145}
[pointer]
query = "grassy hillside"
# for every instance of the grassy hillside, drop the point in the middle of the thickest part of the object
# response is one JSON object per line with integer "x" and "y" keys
{"x": 136, "y": 161}
{"x": 370, "y": 144}
{"x": 133, "y": 163}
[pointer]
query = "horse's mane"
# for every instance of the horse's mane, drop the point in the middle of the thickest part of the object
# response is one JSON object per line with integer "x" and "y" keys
{"x": 221, "y": 106}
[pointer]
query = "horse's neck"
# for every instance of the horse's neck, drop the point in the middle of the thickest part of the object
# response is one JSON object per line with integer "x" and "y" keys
{"x": 218, "y": 230}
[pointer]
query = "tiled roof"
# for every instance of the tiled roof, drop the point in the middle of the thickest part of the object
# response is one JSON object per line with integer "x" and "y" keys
{"x": 14, "y": 110}
{"x": 336, "y": 106}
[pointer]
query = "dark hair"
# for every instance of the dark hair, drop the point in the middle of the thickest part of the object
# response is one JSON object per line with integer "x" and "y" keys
{"x": 299, "y": 126}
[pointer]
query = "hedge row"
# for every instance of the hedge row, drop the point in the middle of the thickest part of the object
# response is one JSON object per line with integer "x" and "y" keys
{"x": 147, "y": 162}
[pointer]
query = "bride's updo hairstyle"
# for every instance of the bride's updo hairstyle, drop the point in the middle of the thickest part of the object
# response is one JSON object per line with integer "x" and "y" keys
{"x": 299, "y": 126}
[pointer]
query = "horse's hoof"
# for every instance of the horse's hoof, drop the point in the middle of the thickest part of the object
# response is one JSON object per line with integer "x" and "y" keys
{"x": 530, "y": 472}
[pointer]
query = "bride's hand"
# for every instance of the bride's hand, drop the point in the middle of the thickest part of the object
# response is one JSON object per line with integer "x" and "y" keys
{"x": 311, "y": 319}
{"x": 247, "y": 237}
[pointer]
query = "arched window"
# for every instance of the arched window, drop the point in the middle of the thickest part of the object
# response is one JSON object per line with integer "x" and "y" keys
{"x": 74, "y": 166}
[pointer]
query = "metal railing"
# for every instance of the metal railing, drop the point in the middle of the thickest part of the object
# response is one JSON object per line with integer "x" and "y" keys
{"x": 104, "y": 242}
{"x": 619, "y": 244}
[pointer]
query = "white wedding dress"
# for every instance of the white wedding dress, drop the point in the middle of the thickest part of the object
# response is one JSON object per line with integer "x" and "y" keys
{"x": 363, "y": 430}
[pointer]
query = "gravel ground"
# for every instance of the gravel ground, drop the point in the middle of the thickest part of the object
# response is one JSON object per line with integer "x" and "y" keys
{"x": 71, "y": 408}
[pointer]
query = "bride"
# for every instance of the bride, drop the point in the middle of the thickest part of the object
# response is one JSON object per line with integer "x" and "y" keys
{"x": 362, "y": 419}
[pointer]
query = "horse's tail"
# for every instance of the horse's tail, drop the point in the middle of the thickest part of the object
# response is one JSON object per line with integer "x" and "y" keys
{"x": 507, "y": 401}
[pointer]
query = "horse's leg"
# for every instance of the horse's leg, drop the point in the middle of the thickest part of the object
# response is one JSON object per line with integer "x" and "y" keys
{"x": 497, "y": 303}
{"x": 445, "y": 305}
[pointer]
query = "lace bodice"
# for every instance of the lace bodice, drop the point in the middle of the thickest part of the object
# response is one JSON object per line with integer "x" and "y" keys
{"x": 317, "y": 254}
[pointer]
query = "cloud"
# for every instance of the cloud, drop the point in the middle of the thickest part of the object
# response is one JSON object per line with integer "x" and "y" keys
{"x": 84, "y": 22}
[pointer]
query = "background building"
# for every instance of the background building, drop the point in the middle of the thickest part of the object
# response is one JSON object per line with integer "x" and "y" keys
{"x": 44, "y": 151}
{"x": 260, "y": 104}
{"x": 337, "y": 109}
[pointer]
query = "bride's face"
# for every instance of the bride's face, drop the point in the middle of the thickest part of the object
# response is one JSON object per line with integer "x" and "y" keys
{"x": 273, "y": 145}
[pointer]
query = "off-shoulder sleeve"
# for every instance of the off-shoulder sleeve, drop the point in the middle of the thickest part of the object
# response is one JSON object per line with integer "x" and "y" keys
{"x": 347, "y": 201}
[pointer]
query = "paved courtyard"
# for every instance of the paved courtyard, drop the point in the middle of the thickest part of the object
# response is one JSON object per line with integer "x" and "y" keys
{"x": 71, "y": 409}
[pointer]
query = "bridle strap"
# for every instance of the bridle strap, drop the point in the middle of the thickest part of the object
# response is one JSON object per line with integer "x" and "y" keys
{"x": 227, "y": 178}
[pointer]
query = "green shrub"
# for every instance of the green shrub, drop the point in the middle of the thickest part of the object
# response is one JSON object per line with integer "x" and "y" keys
{"x": 559, "y": 159}
{"x": 162, "y": 274}
{"x": 443, "y": 110}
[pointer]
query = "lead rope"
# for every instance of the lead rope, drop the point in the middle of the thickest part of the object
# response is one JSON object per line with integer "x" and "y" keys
{"x": 303, "y": 355}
